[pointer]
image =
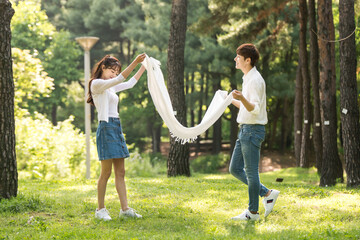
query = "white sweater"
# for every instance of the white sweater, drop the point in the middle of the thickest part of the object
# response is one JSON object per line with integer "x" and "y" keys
{"x": 105, "y": 99}
{"x": 254, "y": 90}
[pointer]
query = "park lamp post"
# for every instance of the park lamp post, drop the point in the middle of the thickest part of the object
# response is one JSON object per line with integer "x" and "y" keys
{"x": 87, "y": 43}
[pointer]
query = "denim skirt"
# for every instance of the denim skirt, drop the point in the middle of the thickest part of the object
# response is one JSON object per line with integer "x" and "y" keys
{"x": 110, "y": 140}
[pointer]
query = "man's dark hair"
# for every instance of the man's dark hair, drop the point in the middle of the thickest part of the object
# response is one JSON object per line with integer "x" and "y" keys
{"x": 248, "y": 50}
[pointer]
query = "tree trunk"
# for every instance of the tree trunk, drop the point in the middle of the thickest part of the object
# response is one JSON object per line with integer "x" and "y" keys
{"x": 284, "y": 125}
{"x": 206, "y": 97}
{"x": 178, "y": 161}
{"x": 92, "y": 113}
{"x": 202, "y": 81}
{"x": 8, "y": 167}
{"x": 129, "y": 51}
{"x": 314, "y": 74}
{"x": 53, "y": 114}
{"x": 298, "y": 114}
{"x": 276, "y": 115}
{"x": 156, "y": 138}
{"x": 331, "y": 167}
{"x": 216, "y": 148}
{"x": 187, "y": 84}
{"x": 154, "y": 130}
{"x": 192, "y": 102}
{"x": 122, "y": 54}
{"x": 234, "y": 125}
{"x": 349, "y": 94}
{"x": 303, "y": 57}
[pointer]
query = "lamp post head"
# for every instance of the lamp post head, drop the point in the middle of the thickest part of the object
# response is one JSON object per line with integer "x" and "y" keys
{"x": 87, "y": 42}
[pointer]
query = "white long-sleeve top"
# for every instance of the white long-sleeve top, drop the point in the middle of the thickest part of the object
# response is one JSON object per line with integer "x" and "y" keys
{"x": 254, "y": 90}
{"x": 104, "y": 95}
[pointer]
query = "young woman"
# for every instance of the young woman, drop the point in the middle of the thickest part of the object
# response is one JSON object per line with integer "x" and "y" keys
{"x": 111, "y": 146}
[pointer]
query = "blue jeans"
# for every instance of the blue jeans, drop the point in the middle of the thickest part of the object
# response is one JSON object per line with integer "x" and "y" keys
{"x": 245, "y": 159}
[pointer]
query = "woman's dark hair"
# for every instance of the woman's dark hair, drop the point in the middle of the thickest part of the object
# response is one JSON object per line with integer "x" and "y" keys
{"x": 108, "y": 62}
{"x": 248, "y": 50}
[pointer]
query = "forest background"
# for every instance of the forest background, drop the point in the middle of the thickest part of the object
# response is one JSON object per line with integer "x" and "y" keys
{"x": 49, "y": 84}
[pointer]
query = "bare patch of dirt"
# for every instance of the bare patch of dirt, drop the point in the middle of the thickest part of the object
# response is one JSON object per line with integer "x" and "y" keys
{"x": 272, "y": 160}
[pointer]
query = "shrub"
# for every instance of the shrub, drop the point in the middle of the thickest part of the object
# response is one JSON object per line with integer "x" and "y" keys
{"x": 209, "y": 163}
{"x": 145, "y": 165}
{"x": 46, "y": 151}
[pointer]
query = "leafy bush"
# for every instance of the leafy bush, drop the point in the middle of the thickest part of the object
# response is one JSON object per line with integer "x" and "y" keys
{"x": 145, "y": 165}
{"x": 30, "y": 80}
{"x": 209, "y": 163}
{"x": 42, "y": 150}
{"x": 46, "y": 151}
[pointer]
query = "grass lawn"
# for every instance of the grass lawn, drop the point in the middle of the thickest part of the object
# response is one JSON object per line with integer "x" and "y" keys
{"x": 199, "y": 207}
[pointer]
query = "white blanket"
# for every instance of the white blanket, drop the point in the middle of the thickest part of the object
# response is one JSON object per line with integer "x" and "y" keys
{"x": 162, "y": 102}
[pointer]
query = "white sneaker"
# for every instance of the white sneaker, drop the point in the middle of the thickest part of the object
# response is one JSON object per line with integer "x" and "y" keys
{"x": 102, "y": 214}
{"x": 247, "y": 216}
{"x": 129, "y": 213}
{"x": 270, "y": 200}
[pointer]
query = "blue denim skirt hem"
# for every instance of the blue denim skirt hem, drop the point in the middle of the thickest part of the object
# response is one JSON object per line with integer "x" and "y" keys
{"x": 110, "y": 140}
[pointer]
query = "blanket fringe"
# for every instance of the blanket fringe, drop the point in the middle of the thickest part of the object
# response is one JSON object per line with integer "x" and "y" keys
{"x": 183, "y": 140}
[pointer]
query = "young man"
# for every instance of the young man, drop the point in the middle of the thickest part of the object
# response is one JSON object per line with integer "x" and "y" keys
{"x": 252, "y": 118}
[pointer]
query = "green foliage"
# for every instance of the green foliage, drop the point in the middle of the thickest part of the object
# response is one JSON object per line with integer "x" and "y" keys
{"x": 73, "y": 104}
{"x": 214, "y": 31}
{"x": 30, "y": 79}
{"x": 145, "y": 165}
{"x": 199, "y": 207}
{"x": 152, "y": 32}
{"x": 245, "y": 21}
{"x": 126, "y": 28}
{"x": 203, "y": 54}
{"x": 43, "y": 151}
{"x": 209, "y": 163}
{"x": 58, "y": 54}
{"x": 73, "y": 13}
{"x": 61, "y": 61}
{"x": 105, "y": 19}
{"x": 138, "y": 114}
{"x": 147, "y": 27}
{"x": 46, "y": 152}
{"x": 30, "y": 27}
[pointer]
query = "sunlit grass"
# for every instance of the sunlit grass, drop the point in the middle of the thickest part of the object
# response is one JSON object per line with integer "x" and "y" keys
{"x": 199, "y": 207}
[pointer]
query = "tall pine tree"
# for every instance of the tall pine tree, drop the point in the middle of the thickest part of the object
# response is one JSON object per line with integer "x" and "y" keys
{"x": 349, "y": 93}
{"x": 178, "y": 161}
{"x": 314, "y": 74}
{"x": 331, "y": 167}
{"x": 8, "y": 167}
{"x": 303, "y": 55}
